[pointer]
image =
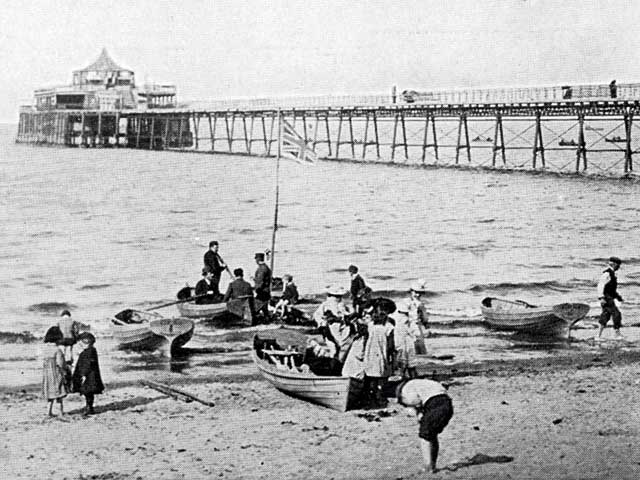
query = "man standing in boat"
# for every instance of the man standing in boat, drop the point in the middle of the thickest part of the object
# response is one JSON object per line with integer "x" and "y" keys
{"x": 204, "y": 289}
{"x": 216, "y": 265}
{"x": 608, "y": 294}
{"x": 241, "y": 291}
{"x": 262, "y": 285}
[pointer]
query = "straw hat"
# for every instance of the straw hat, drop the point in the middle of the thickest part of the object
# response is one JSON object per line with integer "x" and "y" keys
{"x": 336, "y": 290}
{"x": 418, "y": 286}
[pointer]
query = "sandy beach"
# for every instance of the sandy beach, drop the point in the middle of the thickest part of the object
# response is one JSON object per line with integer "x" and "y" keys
{"x": 576, "y": 418}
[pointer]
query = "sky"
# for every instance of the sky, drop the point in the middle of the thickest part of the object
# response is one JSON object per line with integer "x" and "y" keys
{"x": 214, "y": 49}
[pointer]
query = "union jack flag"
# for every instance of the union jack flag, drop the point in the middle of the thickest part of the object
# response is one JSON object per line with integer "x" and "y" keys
{"x": 294, "y": 146}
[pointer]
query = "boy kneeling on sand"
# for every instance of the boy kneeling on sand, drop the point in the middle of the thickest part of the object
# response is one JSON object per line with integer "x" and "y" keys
{"x": 434, "y": 410}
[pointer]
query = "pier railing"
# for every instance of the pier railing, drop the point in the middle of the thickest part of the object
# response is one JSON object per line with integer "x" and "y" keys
{"x": 629, "y": 91}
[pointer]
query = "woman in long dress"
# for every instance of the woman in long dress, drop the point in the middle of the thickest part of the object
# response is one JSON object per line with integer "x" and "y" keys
{"x": 405, "y": 334}
{"x": 377, "y": 366}
{"x": 54, "y": 370}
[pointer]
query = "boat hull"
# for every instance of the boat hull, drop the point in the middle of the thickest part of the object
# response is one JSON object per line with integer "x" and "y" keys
{"x": 337, "y": 393}
{"x": 176, "y": 331}
{"x": 151, "y": 332}
{"x": 512, "y": 317}
{"x": 212, "y": 310}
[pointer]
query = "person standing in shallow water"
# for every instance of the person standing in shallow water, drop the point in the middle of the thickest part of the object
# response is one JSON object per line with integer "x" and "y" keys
{"x": 86, "y": 377}
{"x": 54, "y": 370}
{"x": 608, "y": 294}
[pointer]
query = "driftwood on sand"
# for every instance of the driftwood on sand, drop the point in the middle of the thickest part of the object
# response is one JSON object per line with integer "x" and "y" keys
{"x": 176, "y": 393}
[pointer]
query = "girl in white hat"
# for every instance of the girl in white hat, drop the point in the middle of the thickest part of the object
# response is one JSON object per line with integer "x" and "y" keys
{"x": 405, "y": 335}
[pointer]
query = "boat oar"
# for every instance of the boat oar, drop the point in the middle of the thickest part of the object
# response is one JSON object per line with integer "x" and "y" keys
{"x": 184, "y": 300}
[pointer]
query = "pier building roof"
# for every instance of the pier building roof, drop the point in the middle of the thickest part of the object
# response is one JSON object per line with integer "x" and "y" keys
{"x": 104, "y": 63}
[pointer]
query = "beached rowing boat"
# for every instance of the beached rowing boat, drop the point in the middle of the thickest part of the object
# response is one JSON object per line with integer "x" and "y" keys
{"x": 522, "y": 317}
{"x": 278, "y": 368}
{"x": 140, "y": 330}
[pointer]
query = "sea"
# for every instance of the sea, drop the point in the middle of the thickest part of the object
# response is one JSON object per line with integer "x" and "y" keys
{"x": 97, "y": 231}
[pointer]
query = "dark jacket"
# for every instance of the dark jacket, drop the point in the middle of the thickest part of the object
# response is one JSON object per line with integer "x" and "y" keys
{"x": 89, "y": 368}
{"x": 357, "y": 284}
{"x": 239, "y": 288}
{"x": 611, "y": 288}
{"x": 202, "y": 288}
{"x": 291, "y": 294}
{"x": 263, "y": 282}
{"x": 214, "y": 262}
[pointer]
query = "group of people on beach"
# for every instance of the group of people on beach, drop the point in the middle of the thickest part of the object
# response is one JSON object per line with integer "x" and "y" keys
{"x": 59, "y": 378}
{"x": 370, "y": 338}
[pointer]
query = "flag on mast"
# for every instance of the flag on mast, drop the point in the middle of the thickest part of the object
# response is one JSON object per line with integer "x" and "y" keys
{"x": 295, "y": 147}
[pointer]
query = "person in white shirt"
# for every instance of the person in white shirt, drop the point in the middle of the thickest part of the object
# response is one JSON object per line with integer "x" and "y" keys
{"x": 607, "y": 294}
{"x": 434, "y": 409}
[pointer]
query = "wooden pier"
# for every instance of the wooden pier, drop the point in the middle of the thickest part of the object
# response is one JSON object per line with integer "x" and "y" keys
{"x": 594, "y": 136}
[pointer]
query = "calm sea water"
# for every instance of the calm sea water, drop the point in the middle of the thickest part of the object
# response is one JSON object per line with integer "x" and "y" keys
{"x": 100, "y": 230}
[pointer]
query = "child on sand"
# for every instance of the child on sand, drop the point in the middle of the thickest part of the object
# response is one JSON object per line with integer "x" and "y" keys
{"x": 434, "y": 409}
{"x": 54, "y": 370}
{"x": 86, "y": 377}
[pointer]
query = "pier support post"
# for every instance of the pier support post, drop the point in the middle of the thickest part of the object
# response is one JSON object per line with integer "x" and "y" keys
{"x": 581, "y": 150}
{"x": 247, "y": 141}
{"x": 399, "y": 120}
{"x": 353, "y": 147}
{"x": 498, "y": 133}
{"x": 152, "y": 136}
{"x": 82, "y": 122}
{"x": 462, "y": 124}
{"x": 628, "y": 152}
{"x": 429, "y": 119}
{"x": 99, "y": 133}
{"x": 338, "y": 139}
{"x": 538, "y": 145}
{"x": 196, "y": 128}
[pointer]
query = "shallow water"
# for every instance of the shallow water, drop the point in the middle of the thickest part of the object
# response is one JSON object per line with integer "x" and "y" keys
{"x": 100, "y": 230}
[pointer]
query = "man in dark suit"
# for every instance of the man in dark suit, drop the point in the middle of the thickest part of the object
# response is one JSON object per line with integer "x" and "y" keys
{"x": 214, "y": 262}
{"x": 241, "y": 291}
{"x": 262, "y": 285}
{"x": 205, "y": 287}
{"x": 359, "y": 290}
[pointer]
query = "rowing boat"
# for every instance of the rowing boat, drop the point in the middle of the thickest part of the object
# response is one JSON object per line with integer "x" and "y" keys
{"x": 523, "y": 317}
{"x": 140, "y": 330}
{"x": 207, "y": 310}
{"x": 279, "y": 368}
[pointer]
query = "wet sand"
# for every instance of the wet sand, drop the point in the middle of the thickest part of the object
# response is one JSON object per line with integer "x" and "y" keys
{"x": 577, "y": 417}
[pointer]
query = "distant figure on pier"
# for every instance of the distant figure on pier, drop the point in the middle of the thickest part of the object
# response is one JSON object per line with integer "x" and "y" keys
{"x": 205, "y": 289}
{"x": 262, "y": 285}
{"x": 613, "y": 89}
{"x": 360, "y": 293}
{"x": 608, "y": 294}
{"x": 214, "y": 262}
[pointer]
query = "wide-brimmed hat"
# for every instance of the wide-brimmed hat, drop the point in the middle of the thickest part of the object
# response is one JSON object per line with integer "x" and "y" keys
{"x": 615, "y": 260}
{"x": 418, "y": 286}
{"x": 205, "y": 271}
{"x": 87, "y": 337}
{"x": 336, "y": 290}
